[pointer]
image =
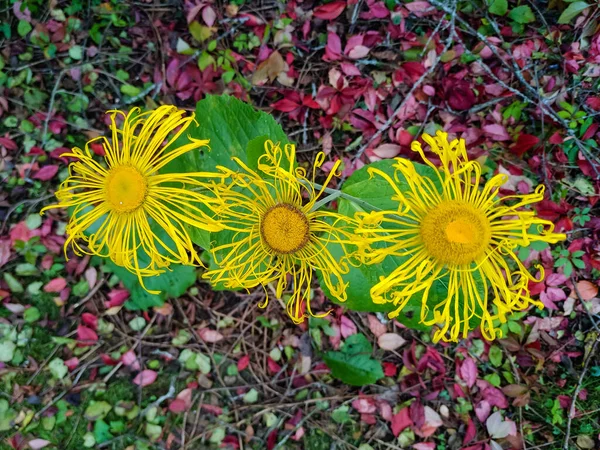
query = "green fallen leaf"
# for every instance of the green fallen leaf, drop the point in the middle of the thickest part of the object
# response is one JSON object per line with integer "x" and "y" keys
{"x": 498, "y": 7}
{"x": 572, "y": 11}
{"x": 522, "y": 14}
{"x": 353, "y": 364}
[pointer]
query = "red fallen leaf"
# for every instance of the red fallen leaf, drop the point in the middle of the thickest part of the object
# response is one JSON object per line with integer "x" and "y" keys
{"x": 145, "y": 378}
{"x": 368, "y": 419}
{"x": 216, "y": 410}
{"x": 330, "y": 10}
{"x": 106, "y": 359}
{"x": 593, "y": 102}
{"x": 208, "y": 335}
{"x": 556, "y": 139}
{"x": 243, "y": 362}
{"x": 90, "y": 320}
{"x": 468, "y": 372}
{"x": 86, "y": 336}
{"x": 400, "y": 421}
{"x": 272, "y": 440}
{"x": 458, "y": 94}
{"x": 56, "y": 285}
{"x": 46, "y": 173}
{"x": 273, "y": 366}
{"x": 389, "y": 369}
{"x": 470, "y": 433}
{"x": 590, "y": 132}
{"x": 129, "y": 358}
{"x": 8, "y": 144}
{"x": 525, "y": 142}
{"x": 182, "y": 402}
{"x": 285, "y": 105}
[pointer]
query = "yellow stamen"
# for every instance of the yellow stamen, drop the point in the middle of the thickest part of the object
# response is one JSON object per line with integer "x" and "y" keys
{"x": 126, "y": 188}
{"x": 284, "y": 229}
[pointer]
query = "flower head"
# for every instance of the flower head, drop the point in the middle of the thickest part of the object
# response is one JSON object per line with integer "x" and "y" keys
{"x": 277, "y": 230}
{"x": 123, "y": 208}
{"x": 451, "y": 229}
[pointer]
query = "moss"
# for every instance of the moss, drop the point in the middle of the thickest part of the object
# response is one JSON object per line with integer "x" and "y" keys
{"x": 41, "y": 345}
{"x": 120, "y": 389}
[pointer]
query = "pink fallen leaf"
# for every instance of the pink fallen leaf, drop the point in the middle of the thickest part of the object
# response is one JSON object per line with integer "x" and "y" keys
{"x": 347, "y": 327}
{"x": 385, "y": 151}
{"x": 72, "y": 363}
{"x": 390, "y": 341}
{"x": 364, "y": 405}
{"x": 14, "y": 308}
{"x": 329, "y": 11}
{"x": 482, "y": 410}
{"x": 117, "y": 297}
{"x": 145, "y": 378}
{"x": 376, "y": 327}
{"x": 209, "y": 16}
{"x": 35, "y": 444}
{"x": 46, "y": 173}
{"x": 56, "y": 285}
{"x": 432, "y": 422}
{"x": 208, "y": 335}
{"x": 129, "y": 358}
{"x": 360, "y": 51}
{"x": 468, "y": 371}
{"x": 496, "y": 131}
{"x": 424, "y": 446}
{"x": 499, "y": 428}
{"x": 587, "y": 290}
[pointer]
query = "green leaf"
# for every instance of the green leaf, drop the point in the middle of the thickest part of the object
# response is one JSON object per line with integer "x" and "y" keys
{"x": 374, "y": 194}
{"x": 498, "y": 7}
{"x": 76, "y": 52}
{"x": 58, "y": 368}
{"x": 97, "y": 410}
{"x": 522, "y": 14}
{"x": 340, "y": 415}
{"x": 130, "y": 90}
{"x": 230, "y": 125}
{"x": 572, "y": 11}
{"x": 23, "y": 28}
{"x": 495, "y": 355}
{"x": 32, "y": 314}
{"x": 172, "y": 283}
{"x": 353, "y": 364}
{"x": 7, "y": 350}
{"x": 102, "y": 432}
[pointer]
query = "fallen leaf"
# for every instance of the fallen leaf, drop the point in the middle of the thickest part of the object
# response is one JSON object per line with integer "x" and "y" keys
{"x": 498, "y": 427}
{"x": 468, "y": 371}
{"x": 145, "y": 378}
{"x": 35, "y": 444}
{"x": 208, "y": 335}
{"x": 56, "y": 285}
{"x": 330, "y": 10}
{"x": 390, "y": 341}
{"x": 269, "y": 69}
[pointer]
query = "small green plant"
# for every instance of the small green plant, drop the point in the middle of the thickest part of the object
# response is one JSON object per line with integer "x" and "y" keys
{"x": 581, "y": 216}
{"x": 568, "y": 261}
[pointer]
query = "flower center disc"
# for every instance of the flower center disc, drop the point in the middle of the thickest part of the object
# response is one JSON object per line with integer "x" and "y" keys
{"x": 125, "y": 188}
{"x": 284, "y": 228}
{"x": 455, "y": 233}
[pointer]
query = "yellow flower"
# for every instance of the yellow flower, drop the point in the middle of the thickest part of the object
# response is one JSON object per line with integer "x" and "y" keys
{"x": 124, "y": 209}
{"x": 449, "y": 228}
{"x": 276, "y": 232}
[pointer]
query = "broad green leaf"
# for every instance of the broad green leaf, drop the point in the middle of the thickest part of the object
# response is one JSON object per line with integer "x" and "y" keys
{"x": 230, "y": 125}
{"x": 522, "y": 14}
{"x": 353, "y": 364}
{"x": 572, "y": 11}
{"x": 498, "y": 7}
{"x": 173, "y": 283}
